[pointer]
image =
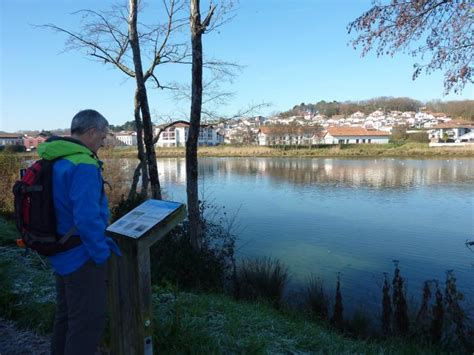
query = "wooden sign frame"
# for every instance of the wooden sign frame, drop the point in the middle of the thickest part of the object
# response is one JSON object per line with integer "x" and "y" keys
{"x": 130, "y": 299}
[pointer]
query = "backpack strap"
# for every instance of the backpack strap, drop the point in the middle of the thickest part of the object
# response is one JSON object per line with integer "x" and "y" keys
{"x": 68, "y": 235}
{"x": 34, "y": 188}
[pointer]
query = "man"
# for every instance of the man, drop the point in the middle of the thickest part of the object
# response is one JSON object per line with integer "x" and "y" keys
{"x": 81, "y": 210}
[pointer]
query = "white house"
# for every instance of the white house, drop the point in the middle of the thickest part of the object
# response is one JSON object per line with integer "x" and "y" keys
{"x": 355, "y": 135}
{"x": 466, "y": 138}
{"x": 358, "y": 114}
{"x": 288, "y": 135}
{"x": 377, "y": 114}
{"x": 240, "y": 135}
{"x": 11, "y": 139}
{"x": 177, "y": 134}
{"x": 452, "y": 130}
{"x": 127, "y": 138}
{"x": 28, "y": 142}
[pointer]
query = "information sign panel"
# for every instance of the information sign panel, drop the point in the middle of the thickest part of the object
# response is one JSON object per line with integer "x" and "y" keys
{"x": 144, "y": 217}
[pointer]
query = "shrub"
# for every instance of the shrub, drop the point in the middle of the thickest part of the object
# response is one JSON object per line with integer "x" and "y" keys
{"x": 436, "y": 328}
{"x": 423, "y": 318}
{"x": 174, "y": 260}
{"x": 424, "y": 310}
{"x": 359, "y": 325}
{"x": 14, "y": 149}
{"x": 261, "y": 279}
{"x": 124, "y": 206}
{"x": 399, "y": 301}
{"x": 337, "y": 319}
{"x": 317, "y": 301}
{"x": 9, "y": 233}
{"x": 419, "y": 137}
{"x": 386, "y": 308}
{"x": 116, "y": 174}
{"x": 7, "y": 298}
{"x": 209, "y": 269}
{"x": 455, "y": 314}
{"x": 9, "y": 173}
{"x": 399, "y": 133}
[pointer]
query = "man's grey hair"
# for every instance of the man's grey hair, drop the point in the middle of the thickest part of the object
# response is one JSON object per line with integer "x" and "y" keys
{"x": 87, "y": 119}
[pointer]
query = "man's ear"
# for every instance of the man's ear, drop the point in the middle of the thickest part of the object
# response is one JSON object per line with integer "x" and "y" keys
{"x": 90, "y": 132}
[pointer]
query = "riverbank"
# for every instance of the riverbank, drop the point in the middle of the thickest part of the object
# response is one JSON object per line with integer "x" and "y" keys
{"x": 393, "y": 150}
{"x": 188, "y": 323}
{"x": 350, "y": 150}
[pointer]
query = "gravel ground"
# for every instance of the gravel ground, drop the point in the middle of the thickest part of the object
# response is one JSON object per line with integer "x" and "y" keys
{"x": 16, "y": 341}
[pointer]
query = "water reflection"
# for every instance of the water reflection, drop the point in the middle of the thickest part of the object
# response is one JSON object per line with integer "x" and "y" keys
{"x": 374, "y": 173}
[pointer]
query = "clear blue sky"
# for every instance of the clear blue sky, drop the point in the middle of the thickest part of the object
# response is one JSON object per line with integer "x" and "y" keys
{"x": 292, "y": 52}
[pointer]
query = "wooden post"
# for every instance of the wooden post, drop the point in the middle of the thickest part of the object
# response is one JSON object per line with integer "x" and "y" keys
{"x": 130, "y": 307}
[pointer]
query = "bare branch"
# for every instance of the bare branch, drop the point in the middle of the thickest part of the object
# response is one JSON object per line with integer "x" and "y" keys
{"x": 223, "y": 14}
{"x": 443, "y": 29}
{"x": 111, "y": 29}
{"x": 94, "y": 47}
{"x": 207, "y": 20}
{"x": 156, "y": 59}
{"x": 249, "y": 111}
{"x": 105, "y": 37}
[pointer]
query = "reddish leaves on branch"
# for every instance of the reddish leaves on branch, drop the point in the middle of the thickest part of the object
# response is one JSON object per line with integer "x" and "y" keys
{"x": 441, "y": 29}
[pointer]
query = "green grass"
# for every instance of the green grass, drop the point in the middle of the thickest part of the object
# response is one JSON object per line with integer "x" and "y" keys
{"x": 189, "y": 323}
{"x": 26, "y": 290}
{"x": 26, "y": 283}
{"x": 8, "y": 232}
{"x": 410, "y": 149}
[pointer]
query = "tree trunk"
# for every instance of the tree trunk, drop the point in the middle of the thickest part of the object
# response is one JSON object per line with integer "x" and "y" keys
{"x": 195, "y": 227}
{"x": 141, "y": 95}
{"x": 141, "y": 155}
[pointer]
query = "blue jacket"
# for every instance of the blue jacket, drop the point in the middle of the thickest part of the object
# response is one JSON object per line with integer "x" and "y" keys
{"x": 80, "y": 201}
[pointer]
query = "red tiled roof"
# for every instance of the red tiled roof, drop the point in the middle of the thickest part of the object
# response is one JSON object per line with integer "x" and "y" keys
{"x": 11, "y": 135}
{"x": 181, "y": 124}
{"x": 355, "y": 131}
{"x": 456, "y": 124}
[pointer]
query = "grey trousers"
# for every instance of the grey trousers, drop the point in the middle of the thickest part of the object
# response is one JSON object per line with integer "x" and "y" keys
{"x": 81, "y": 309}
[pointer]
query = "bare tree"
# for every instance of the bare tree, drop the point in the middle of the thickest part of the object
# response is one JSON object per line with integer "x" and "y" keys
{"x": 142, "y": 98}
{"x": 442, "y": 29}
{"x": 109, "y": 37}
{"x": 197, "y": 30}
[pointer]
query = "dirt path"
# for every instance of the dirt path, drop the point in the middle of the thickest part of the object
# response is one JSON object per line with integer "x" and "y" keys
{"x": 16, "y": 341}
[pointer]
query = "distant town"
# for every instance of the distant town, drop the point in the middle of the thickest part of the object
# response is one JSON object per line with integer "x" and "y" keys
{"x": 377, "y": 127}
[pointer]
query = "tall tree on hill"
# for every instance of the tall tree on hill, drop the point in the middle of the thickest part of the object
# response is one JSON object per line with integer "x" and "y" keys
{"x": 463, "y": 109}
{"x": 442, "y": 29}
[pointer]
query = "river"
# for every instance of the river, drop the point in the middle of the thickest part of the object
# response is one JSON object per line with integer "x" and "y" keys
{"x": 347, "y": 216}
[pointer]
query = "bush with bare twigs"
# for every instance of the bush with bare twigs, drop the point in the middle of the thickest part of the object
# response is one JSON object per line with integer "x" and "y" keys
{"x": 9, "y": 172}
{"x": 261, "y": 279}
